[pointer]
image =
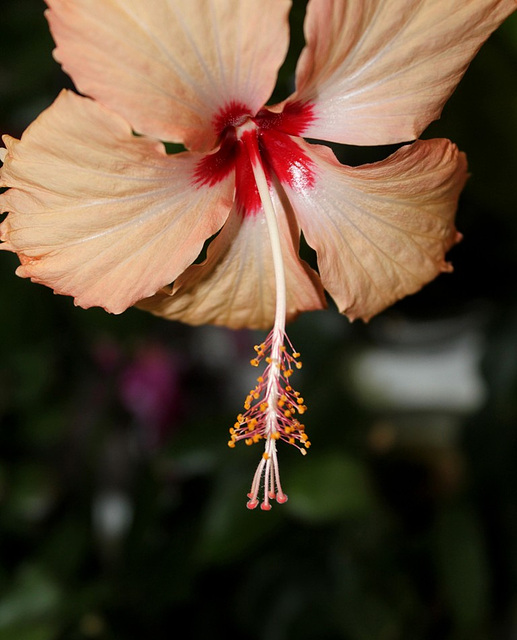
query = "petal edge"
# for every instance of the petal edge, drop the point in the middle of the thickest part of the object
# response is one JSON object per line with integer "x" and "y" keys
{"x": 379, "y": 72}
{"x": 99, "y": 214}
{"x": 381, "y": 231}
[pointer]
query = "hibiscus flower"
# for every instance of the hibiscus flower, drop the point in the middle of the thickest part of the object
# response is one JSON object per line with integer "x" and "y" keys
{"x": 99, "y": 211}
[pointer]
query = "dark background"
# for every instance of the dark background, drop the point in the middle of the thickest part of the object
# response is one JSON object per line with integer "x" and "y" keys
{"x": 122, "y": 511}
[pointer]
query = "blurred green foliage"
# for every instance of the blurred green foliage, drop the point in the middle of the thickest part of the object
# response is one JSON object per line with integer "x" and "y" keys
{"x": 122, "y": 510}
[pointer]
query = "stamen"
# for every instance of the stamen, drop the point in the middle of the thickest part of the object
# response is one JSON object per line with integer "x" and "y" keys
{"x": 272, "y": 409}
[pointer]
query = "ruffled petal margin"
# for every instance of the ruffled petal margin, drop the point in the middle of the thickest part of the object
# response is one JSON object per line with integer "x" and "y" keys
{"x": 378, "y": 72}
{"x": 172, "y": 68}
{"x": 235, "y": 285}
{"x": 99, "y": 214}
{"x": 381, "y": 230}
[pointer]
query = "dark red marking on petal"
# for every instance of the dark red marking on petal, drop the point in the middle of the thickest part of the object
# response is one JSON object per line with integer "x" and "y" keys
{"x": 294, "y": 119}
{"x": 233, "y": 114}
{"x": 287, "y": 159}
{"x": 214, "y": 167}
{"x": 250, "y": 141}
{"x": 247, "y": 196}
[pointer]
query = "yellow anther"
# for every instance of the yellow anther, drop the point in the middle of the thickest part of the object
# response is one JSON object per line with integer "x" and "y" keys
{"x": 287, "y": 403}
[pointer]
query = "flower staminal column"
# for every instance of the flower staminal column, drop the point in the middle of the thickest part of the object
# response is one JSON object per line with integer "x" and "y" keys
{"x": 272, "y": 406}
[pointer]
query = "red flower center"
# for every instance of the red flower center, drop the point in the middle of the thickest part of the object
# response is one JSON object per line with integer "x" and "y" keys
{"x": 280, "y": 154}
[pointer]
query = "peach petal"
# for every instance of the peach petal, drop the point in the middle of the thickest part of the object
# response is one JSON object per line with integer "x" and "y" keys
{"x": 170, "y": 67}
{"x": 381, "y": 230}
{"x": 99, "y": 214}
{"x": 235, "y": 286}
{"x": 379, "y": 71}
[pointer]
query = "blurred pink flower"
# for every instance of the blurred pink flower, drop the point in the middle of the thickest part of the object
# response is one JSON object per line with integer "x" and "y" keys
{"x": 149, "y": 389}
{"x": 146, "y": 381}
{"x": 108, "y": 217}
